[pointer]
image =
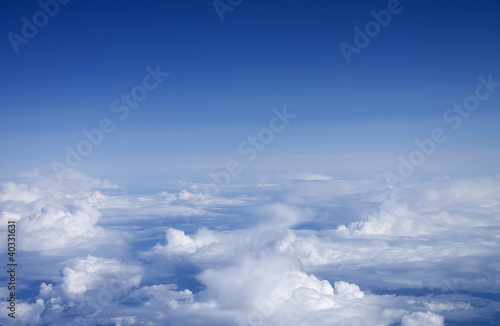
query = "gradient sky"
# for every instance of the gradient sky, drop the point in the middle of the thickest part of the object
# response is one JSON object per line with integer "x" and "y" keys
{"x": 226, "y": 77}
{"x": 313, "y": 219}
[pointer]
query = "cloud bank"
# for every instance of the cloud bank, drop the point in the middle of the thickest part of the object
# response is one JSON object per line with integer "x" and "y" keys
{"x": 422, "y": 254}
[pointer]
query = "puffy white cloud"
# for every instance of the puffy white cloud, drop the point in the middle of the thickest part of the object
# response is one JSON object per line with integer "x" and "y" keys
{"x": 55, "y": 227}
{"x": 178, "y": 242}
{"x": 26, "y": 314}
{"x": 396, "y": 219}
{"x": 46, "y": 291}
{"x": 8, "y": 216}
{"x": 393, "y": 238}
{"x": 53, "y": 217}
{"x": 348, "y": 291}
{"x": 29, "y": 313}
{"x": 422, "y": 319}
{"x": 251, "y": 279}
{"x": 90, "y": 273}
{"x": 272, "y": 263}
{"x": 263, "y": 286}
{"x": 439, "y": 206}
{"x": 19, "y": 192}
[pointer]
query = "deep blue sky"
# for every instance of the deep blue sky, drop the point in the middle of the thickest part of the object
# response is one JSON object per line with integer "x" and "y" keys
{"x": 225, "y": 78}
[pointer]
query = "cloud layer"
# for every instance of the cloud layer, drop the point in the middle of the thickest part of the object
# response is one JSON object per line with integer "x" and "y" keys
{"x": 421, "y": 254}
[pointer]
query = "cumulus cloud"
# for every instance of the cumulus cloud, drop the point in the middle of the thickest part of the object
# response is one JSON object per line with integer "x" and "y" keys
{"x": 348, "y": 291}
{"x": 18, "y": 193}
{"x": 262, "y": 281}
{"x": 90, "y": 273}
{"x": 422, "y": 319}
{"x": 178, "y": 242}
{"x": 26, "y": 313}
{"x": 439, "y": 206}
{"x": 271, "y": 290}
{"x": 8, "y": 216}
{"x": 53, "y": 216}
{"x": 396, "y": 219}
{"x": 55, "y": 227}
{"x": 29, "y": 313}
{"x": 272, "y": 262}
{"x": 46, "y": 290}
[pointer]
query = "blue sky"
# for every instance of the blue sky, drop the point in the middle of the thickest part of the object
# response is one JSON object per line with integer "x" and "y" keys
{"x": 337, "y": 209}
{"x": 225, "y": 77}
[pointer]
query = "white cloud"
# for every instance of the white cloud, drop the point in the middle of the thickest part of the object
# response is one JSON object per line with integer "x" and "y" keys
{"x": 429, "y": 235}
{"x": 55, "y": 227}
{"x": 422, "y": 319}
{"x": 18, "y": 193}
{"x": 26, "y": 314}
{"x": 263, "y": 286}
{"x": 91, "y": 273}
{"x": 8, "y": 216}
{"x": 46, "y": 291}
{"x": 348, "y": 291}
{"x": 29, "y": 313}
{"x": 178, "y": 242}
{"x": 53, "y": 217}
